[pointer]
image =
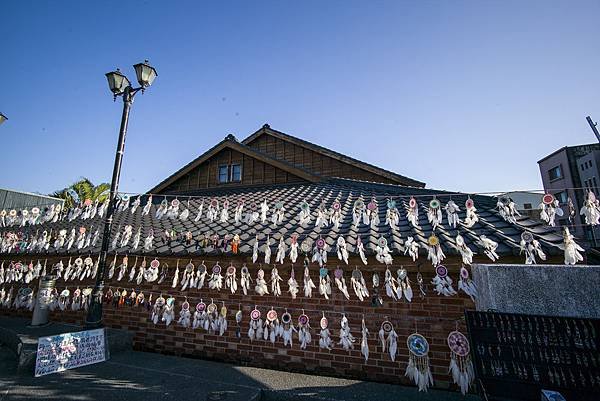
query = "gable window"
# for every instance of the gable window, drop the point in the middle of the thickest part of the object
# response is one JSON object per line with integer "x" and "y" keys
{"x": 526, "y": 206}
{"x": 555, "y": 173}
{"x": 230, "y": 173}
{"x": 562, "y": 197}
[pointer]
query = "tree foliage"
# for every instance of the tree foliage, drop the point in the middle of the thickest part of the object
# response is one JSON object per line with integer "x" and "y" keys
{"x": 81, "y": 190}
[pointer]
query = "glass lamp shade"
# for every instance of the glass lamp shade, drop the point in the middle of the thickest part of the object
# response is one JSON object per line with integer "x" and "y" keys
{"x": 2, "y": 118}
{"x": 145, "y": 74}
{"x": 117, "y": 82}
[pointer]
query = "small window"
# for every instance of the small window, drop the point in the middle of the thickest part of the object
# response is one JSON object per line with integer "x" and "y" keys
{"x": 236, "y": 172}
{"x": 594, "y": 181}
{"x": 583, "y": 166}
{"x": 526, "y": 206}
{"x": 223, "y": 174}
{"x": 555, "y": 173}
{"x": 562, "y": 197}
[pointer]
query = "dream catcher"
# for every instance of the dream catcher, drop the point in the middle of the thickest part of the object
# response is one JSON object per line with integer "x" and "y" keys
{"x": 183, "y": 216}
{"x": 261, "y": 285}
{"x": 200, "y": 209}
{"x": 412, "y": 213}
{"x": 141, "y": 272}
{"x": 371, "y": 214}
{"x": 320, "y": 252}
{"x": 149, "y": 241}
{"x": 60, "y": 240}
{"x": 293, "y": 287}
{"x": 230, "y": 279}
{"x": 342, "y": 249}
{"x": 211, "y": 324}
{"x": 465, "y": 251}
{"x": 335, "y": 214}
{"x": 308, "y": 283}
{"x": 461, "y": 367}
{"x": 201, "y": 273}
{"x": 245, "y": 279}
{"x": 452, "y": 210}
{"x": 162, "y": 209}
{"x": 151, "y": 273}
{"x": 383, "y": 251}
{"x": 403, "y": 285}
{"x": 281, "y": 250}
{"x": 390, "y": 284}
{"x": 215, "y": 282}
{"x": 168, "y": 311}
{"x": 442, "y": 282}
{"x": 364, "y": 342}
{"x": 264, "y": 209}
{"x": 225, "y": 212}
{"x": 392, "y": 217}
{"x": 252, "y": 215}
{"x": 122, "y": 267}
{"x": 288, "y": 328}
{"x": 324, "y": 282}
{"x": 239, "y": 210}
{"x": 272, "y": 328}
{"x": 531, "y": 247}
{"x": 360, "y": 248}
{"x": 222, "y": 320}
{"x": 188, "y": 275}
{"x": 412, "y": 248}
{"x": 304, "y": 335}
{"x": 255, "y": 250}
{"x": 147, "y": 206}
{"x": 434, "y": 213}
{"x": 304, "y": 215}
{"x": 176, "y": 276}
{"x": 489, "y": 247}
{"x": 357, "y": 212}
{"x": 434, "y": 250}
{"x": 572, "y": 249}
{"x": 347, "y": 340}
{"x": 95, "y": 238}
{"x": 294, "y": 248}
{"x": 111, "y": 269}
{"x": 200, "y": 315}
{"x": 267, "y": 251}
{"x": 80, "y": 242}
{"x": 359, "y": 285}
{"x": 508, "y": 209}
{"x": 255, "y": 329}
{"x": 591, "y": 209}
{"x": 71, "y": 240}
{"x": 388, "y": 339}
{"x": 571, "y": 210}
{"x": 466, "y": 284}
{"x": 549, "y": 209}
{"x": 418, "y": 369}
{"x": 185, "y": 314}
{"x": 340, "y": 281}
{"x": 213, "y": 209}
{"x": 325, "y": 340}
{"x": 322, "y": 216}
{"x": 238, "y": 322}
{"x": 275, "y": 280}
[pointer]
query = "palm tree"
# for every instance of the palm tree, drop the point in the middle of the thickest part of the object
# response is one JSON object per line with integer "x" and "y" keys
{"x": 82, "y": 190}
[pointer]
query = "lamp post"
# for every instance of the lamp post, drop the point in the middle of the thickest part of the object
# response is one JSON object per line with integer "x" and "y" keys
{"x": 120, "y": 87}
{"x": 2, "y": 118}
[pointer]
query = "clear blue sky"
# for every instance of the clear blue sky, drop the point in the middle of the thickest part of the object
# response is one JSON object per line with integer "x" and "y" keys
{"x": 461, "y": 95}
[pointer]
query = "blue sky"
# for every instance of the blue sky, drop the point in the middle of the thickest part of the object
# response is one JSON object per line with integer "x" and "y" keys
{"x": 462, "y": 95}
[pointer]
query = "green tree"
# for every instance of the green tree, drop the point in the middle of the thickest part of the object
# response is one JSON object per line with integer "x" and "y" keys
{"x": 82, "y": 190}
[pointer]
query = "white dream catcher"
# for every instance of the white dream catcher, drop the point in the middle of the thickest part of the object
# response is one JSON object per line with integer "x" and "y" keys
{"x": 320, "y": 252}
{"x": 255, "y": 329}
{"x": 357, "y": 212}
{"x": 222, "y": 320}
{"x": 591, "y": 209}
{"x": 267, "y": 250}
{"x": 371, "y": 214}
{"x": 239, "y": 210}
{"x": 122, "y": 268}
{"x": 304, "y": 215}
{"x": 531, "y": 247}
{"x": 245, "y": 279}
{"x": 200, "y": 210}
{"x": 452, "y": 210}
{"x": 461, "y": 366}
{"x": 382, "y": 251}
{"x": 359, "y": 285}
{"x": 309, "y": 285}
{"x": 465, "y": 252}
{"x": 572, "y": 249}
{"x": 467, "y": 285}
{"x": 168, "y": 314}
{"x": 173, "y": 210}
{"x": 403, "y": 287}
{"x": 293, "y": 287}
{"x": 230, "y": 279}
{"x": 278, "y": 213}
{"x": 201, "y": 273}
{"x": 324, "y": 282}
{"x": 347, "y": 340}
{"x": 149, "y": 240}
{"x": 275, "y": 282}
{"x": 188, "y": 275}
{"x": 435, "y": 254}
{"x": 392, "y": 216}
{"x": 442, "y": 282}
{"x": 213, "y": 210}
{"x": 215, "y": 282}
{"x": 238, "y": 322}
{"x": 157, "y": 310}
{"x": 325, "y": 341}
{"x": 176, "y": 276}
{"x": 147, "y": 206}
{"x": 288, "y": 329}
{"x": 162, "y": 209}
{"x": 264, "y": 209}
{"x": 549, "y": 209}
{"x": 412, "y": 212}
{"x": 304, "y": 335}
{"x": 200, "y": 315}
{"x": 360, "y": 249}
{"x": 434, "y": 213}
{"x": 418, "y": 369}
{"x": 281, "y": 250}
{"x": 322, "y": 216}
{"x": 335, "y": 214}
{"x": 252, "y": 214}
{"x": 294, "y": 248}
{"x": 412, "y": 248}
{"x": 342, "y": 249}
{"x": 255, "y": 250}
{"x": 183, "y": 216}
{"x": 224, "y": 218}
{"x": 273, "y": 328}
{"x": 185, "y": 314}
{"x": 388, "y": 339}
{"x": 261, "y": 284}
{"x": 471, "y": 213}
{"x": 364, "y": 341}
{"x": 489, "y": 247}
{"x": 508, "y": 209}
{"x": 390, "y": 284}
{"x": 340, "y": 281}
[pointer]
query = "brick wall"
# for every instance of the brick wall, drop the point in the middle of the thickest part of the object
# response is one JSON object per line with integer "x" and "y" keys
{"x": 435, "y": 316}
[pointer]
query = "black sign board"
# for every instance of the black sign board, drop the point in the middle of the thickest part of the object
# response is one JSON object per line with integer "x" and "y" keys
{"x": 516, "y": 356}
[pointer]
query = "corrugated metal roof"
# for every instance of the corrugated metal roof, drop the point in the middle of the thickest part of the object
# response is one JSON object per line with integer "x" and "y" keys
{"x": 10, "y": 199}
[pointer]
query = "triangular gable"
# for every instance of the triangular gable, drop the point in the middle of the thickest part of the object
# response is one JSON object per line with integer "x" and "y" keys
{"x": 356, "y": 169}
{"x": 231, "y": 143}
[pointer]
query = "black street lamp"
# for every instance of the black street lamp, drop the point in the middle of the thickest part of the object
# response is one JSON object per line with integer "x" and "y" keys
{"x": 119, "y": 86}
{"x": 2, "y": 118}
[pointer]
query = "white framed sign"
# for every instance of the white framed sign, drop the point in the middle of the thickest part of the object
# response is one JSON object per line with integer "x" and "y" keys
{"x": 69, "y": 350}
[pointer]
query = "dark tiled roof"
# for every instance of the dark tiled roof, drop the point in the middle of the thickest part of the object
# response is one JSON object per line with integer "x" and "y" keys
{"x": 490, "y": 224}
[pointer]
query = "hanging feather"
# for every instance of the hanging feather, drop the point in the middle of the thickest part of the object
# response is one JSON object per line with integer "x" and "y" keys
{"x": 466, "y": 284}
{"x": 322, "y": 216}
{"x": 185, "y": 315}
{"x": 371, "y": 214}
{"x": 281, "y": 250}
{"x": 293, "y": 287}
{"x": 357, "y": 212}
{"x": 465, "y": 251}
{"x": 390, "y": 285}
{"x": 531, "y": 247}
{"x": 245, "y": 279}
{"x": 591, "y": 209}
{"x": 230, "y": 279}
{"x": 342, "y": 250}
{"x": 548, "y": 209}
{"x": 325, "y": 341}
{"x": 507, "y": 209}
{"x": 294, "y": 248}
{"x": 359, "y": 285}
{"x": 199, "y": 214}
{"x": 261, "y": 285}
{"x": 383, "y": 251}
{"x": 489, "y": 247}
{"x": 275, "y": 280}
{"x": 176, "y": 277}
{"x": 239, "y": 210}
{"x": 335, "y": 214}
{"x": 452, "y": 210}
{"x": 255, "y": 250}
{"x": 434, "y": 213}
{"x": 147, "y": 206}
{"x": 308, "y": 283}
{"x": 340, "y": 281}
{"x": 461, "y": 366}
{"x": 471, "y": 213}
{"x": 278, "y": 213}
{"x": 267, "y": 251}
{"x": 169, "y": 311}
{"x": 264, "y": 209}
{"x": 572, "y": 249}
{"x": 215, "y": 282}
{"x": 324, "y": 282}
{"x": 434, "y": 250}
{"x": 213, "y": 210}
{"x": 364, "y": 342}
{"x": 403, "y": 285}
{"x": 347, "y": 340}
{"x": 412, "y": 248}
{"x": 412, "y": 213}
{"x": 225, "y": 212}
{"x": 320, "y": 252}
{"x": 360, "y": 248}
{"x": 392, "y": 216}
{"x": 442, "y": 282}
{"x": 418, "y": 369}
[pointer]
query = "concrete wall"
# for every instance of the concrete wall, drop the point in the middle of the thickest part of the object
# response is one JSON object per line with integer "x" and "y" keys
{"x": 554, "y": 290}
